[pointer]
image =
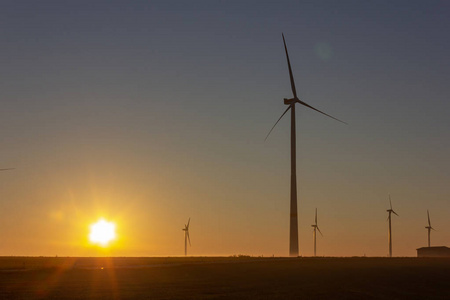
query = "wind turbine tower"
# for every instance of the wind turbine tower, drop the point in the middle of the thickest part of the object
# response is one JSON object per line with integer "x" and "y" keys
{"x": 186, "y": 236}
{"x": 293, "y": 229}
{"x": 316, "y": 227}
{"x": 390, "y": 229}
{"x": 429, "y": 229}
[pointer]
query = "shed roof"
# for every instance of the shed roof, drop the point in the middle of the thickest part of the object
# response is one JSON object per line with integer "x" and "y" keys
{"x": 434, "y": 248}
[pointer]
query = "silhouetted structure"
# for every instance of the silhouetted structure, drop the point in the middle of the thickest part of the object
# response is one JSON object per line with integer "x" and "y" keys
{"x": 293, "y": 229}
{"x": 429, "y": 229}
{"x": 440, "y": 251}
{"x": 390, "y": 229}
{"x": 315, "y": 226}
{"x": 186, "y": 236}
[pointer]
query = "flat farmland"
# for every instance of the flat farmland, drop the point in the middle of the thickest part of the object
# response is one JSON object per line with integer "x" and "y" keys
{"x": 223, "y": 278}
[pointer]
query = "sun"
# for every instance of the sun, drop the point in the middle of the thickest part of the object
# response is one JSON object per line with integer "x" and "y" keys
{"x": 102, "y": 232}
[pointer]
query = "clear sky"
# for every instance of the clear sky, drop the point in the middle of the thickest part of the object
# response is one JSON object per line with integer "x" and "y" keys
{"x": 147, "y": 113}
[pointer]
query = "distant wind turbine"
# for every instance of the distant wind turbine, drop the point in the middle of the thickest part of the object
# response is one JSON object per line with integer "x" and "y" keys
{"x": 186, "y": 236}
{"x": 315, "y": 226}
{"x": 390, "y": 230}
{"x": 293, "y": 232}
{"x": 429, "y": 229}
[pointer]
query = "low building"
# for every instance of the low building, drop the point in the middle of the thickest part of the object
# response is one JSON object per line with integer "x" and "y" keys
{"x": 440, "y": 251}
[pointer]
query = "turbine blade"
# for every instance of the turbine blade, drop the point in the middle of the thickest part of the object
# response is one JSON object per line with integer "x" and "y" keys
{"x": 429, "y": 223}
{"x": 395, "y": 213}
{"x": 313, "y": 108}
{"x": 390, "y": 202}
{"x": 290, "y": 69}
{"x": 277, "y": 122}
{"x": 189, "y": 239}
{"x": 316, "y": 216}
{"x": 7, "y": 169}
{"x": 188, "y": 223}
{"x": 319, "y": 231}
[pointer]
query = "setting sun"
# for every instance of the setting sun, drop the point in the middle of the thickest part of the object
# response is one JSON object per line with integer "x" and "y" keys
{"x": 102, "y": 232}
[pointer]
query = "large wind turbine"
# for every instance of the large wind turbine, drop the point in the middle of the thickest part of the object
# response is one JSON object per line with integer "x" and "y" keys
{"x": 429, "y": 229}
{"x": 315, "y": 226}
{"x": 186, "y": 236}
{"x": 390, "y": 231}
{"x": 293, "y": 232}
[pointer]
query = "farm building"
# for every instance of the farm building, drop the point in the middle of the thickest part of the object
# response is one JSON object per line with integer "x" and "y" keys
{"x": 441, "y": 251}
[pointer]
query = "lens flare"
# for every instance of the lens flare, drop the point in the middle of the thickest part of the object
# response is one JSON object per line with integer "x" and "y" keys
{"x": 324, "y": 51}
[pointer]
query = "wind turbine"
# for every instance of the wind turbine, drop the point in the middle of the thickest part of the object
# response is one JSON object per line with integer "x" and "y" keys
{"x": 390, "y": 231}
{"x": 429, "y": 229}
{"x": 293, "y": 232}
{"x": 315, "y": 226}
{"x": 186, "y": 236}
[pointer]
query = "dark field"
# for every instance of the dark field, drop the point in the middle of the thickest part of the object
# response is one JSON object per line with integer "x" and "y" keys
{"x": 224, "y": 278}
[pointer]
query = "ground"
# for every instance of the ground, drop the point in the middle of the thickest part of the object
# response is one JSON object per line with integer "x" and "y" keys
{"x": 224, "y": 278}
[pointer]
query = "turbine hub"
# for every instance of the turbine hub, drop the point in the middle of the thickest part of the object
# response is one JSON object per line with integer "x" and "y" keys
{"x": 289, "y": 101}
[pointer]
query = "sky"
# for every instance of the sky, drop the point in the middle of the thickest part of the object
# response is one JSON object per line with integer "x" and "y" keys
{"x": 148, "y": 113}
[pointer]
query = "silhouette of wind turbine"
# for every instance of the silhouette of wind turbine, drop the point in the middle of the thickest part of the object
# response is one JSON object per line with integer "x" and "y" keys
{"x": 315, "y": 226}
{"x": 293, "y": 231}
{"x": 390, "y": 231}
{"x": 429, "y": 229}
{"x": 186, "y": 236}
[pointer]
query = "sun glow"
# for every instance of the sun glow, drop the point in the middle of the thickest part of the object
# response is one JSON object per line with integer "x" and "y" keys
{"x": 102, "y": 232}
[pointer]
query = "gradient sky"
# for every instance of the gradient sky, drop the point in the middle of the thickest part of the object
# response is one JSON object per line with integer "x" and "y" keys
{"x": 151, "y": 112}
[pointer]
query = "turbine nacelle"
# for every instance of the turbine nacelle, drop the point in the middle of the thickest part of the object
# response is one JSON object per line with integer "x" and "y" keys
{"x": 316, "y": 227}
{"x": 289, "y": 101}
{"x": 392, "y": 211}
{"x": 186, "y": 226}
{"x": 295, "y": 99}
